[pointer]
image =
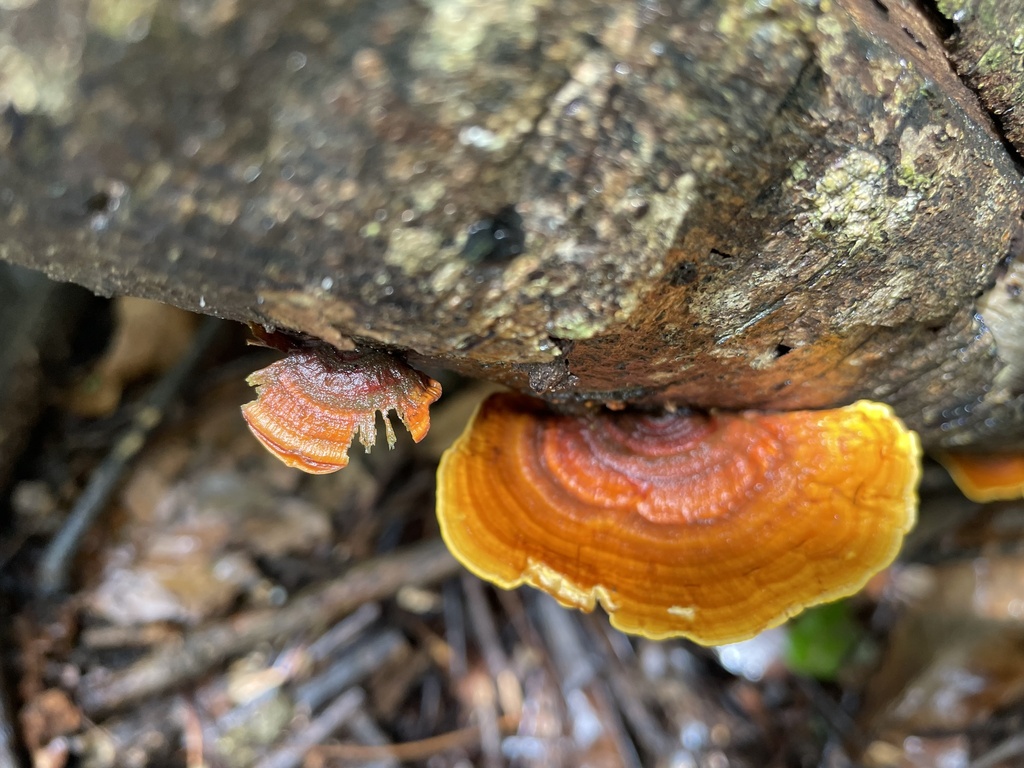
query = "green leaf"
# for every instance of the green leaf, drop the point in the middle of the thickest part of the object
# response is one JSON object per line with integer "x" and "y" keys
{"x": 821, "y": 639}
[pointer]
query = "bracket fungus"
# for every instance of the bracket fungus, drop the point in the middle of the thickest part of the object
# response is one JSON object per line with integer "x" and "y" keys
{"x": 985, "y": 477}
{"x": 310, "y": 404}
{"x": 713, "y": 527}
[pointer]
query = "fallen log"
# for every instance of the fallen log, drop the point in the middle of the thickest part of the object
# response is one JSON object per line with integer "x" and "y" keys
{"x": 775, "y": 205}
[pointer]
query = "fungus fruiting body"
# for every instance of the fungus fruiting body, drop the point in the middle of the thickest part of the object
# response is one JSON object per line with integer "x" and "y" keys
{"x": 713, "y": 527}
{"x": 985, "y": 477}
{"x": 311, "y": 404}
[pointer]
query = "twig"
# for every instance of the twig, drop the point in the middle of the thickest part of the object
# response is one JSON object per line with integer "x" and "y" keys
{"x": 411, "y": 751}
{"x": 575, "y": 668}
{"x": 392, "y": 689}
{"x": 150, "y": 733}
{"x": 192, "y": 734}
{"x": 512, "y": 603}
{"x": 641, "y": 721}
{"x": 1010, "y": 748}
{"x": 352, "y": 667}
{"x": 455, "y": 629}
{"x": 297, "y": 661}
{"x": 582, "y": 686}
{"x": 364, "y": 729}
{"x": 135, "y": 636}
{"x": 343, "y": 633}
{"x": 608, "y": 706}
{"x": 502, "y": 681}
{"x": 377, "y": 578}
{"x": 56, "y": 561}
{"x": 479, "y": 690}
{"x": 837, "y": 719}
{"x": 482, "y": 623}
{"x": 335, "y": 715}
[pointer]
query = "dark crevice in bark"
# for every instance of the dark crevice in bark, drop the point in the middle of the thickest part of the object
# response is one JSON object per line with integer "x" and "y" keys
{"x": 946, "y": 29}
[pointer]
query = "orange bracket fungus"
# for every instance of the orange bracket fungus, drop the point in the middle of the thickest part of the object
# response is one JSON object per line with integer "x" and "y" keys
{"x": 985, "y": 477}
{"x": 713, "y": 527}
{"x": 310, "y": 404}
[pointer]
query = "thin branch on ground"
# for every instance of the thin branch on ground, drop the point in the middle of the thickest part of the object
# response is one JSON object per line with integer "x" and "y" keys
{"x": 201, "y": 651}
{"x": 410, "y": 751}
{"x": 55, "y": 565}
{"x": 1012, "y": 747}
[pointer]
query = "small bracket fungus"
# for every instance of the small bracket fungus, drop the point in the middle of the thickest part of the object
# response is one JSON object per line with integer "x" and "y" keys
{"x": 310, "y": 404}
{"x": 985, "y": 477}
{"x": 709, "y": 527}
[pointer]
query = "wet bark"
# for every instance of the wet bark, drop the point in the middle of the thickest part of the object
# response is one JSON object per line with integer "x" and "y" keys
{"x": 713, "y": 204}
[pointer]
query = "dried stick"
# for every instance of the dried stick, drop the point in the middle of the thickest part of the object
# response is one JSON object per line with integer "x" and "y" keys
{"x": 641, "y": 721}
{"x": 56, "y": 561}
{"x": 482, "y": 698}
{"x": 836, "y": 718}
{"x": 202, "y": 650}
{"x": 579, "y": 677}
{"x": 482, "y": 623}
{"x": 455, "y": 630}
{"x": 1012, "y": 747}
{"x": 364, "y": 730}
{"x": 354, "y": 665}
{"x": 343, "y": 633}
{"x": 415, "y": 751}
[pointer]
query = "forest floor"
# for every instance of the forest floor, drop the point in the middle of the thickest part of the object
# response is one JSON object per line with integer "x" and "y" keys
{"x": 215, "y": 608}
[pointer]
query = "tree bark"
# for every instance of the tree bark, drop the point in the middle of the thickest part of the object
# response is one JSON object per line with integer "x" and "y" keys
{"x": 713, "y": 204}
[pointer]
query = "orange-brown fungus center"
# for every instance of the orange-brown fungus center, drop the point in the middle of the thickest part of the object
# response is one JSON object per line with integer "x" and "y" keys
{"x": 311, "y": 404}
{"x": 985, "y": 477}
{"x": 710, "y": 527}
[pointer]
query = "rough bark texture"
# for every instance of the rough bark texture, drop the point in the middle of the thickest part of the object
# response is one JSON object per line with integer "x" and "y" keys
{"x": 721, "y": 204}
{"x": 988, "y": 52}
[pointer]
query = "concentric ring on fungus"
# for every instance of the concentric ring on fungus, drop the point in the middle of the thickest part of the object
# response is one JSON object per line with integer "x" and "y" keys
{"x": 310, "y": 404}
{"x": 713, "y": 527}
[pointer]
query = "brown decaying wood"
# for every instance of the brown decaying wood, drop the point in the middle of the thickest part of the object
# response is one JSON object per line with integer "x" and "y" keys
{"x": 716, "y": 204}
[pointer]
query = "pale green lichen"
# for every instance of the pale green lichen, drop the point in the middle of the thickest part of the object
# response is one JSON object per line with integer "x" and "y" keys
{"x": 917, "y": 148}
{"x": 832, "y": 44}
{"x": 851, "y": 204}
{"x": 953, "y": 9}
{"x": 413, "y": 250}
{"x": 758, "y": 17}
{"x": 454, "y": 30}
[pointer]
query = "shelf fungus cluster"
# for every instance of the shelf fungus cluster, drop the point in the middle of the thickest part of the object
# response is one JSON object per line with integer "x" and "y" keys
{"x": 713, "y": 527}
{"x": 311, "y": 404}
